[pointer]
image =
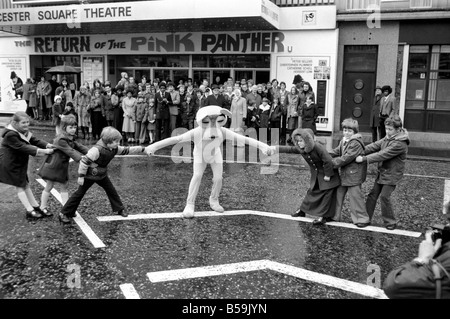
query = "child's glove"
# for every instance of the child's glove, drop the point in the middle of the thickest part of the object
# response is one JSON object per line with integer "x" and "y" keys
{"x": 326, "y": 178}
{"x": 80, "y": 181}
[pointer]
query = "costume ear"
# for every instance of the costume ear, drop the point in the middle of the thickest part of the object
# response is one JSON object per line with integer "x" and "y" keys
{"x": 225, "y": 112}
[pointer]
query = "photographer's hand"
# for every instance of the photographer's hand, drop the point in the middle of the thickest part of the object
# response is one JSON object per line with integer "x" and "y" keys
{"x": 427, "y": 249}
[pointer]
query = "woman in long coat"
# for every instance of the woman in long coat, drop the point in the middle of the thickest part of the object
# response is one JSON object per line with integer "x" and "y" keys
{"x": 45, "y": 99}
{"x": 17, "y": 145}
{"x": 320, "y": 199}
{"x": 238, "y": 113}
{"x": 81, "y": 102}
{"x": 375, "y": 114}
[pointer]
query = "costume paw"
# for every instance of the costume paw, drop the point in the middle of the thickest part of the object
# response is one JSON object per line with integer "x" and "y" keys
{"x": 215, "y": 206}
{"x": 149, "y": 150}
{"x": 188, "y": 211}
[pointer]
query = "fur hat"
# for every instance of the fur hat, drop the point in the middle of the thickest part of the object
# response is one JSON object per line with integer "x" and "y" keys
{"x": 351, "y": 124}
{"x": 308, "y": 136}
{"x": 386, "y": 88}
{"x": 57, "y": 97}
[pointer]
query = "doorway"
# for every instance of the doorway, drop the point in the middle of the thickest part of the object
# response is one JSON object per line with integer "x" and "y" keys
{"x": 357, "y": 96}
{"x": 358, "y": 83}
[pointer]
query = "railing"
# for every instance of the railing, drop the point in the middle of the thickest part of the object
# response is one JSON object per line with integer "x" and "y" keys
{"x": 296, "y": 3}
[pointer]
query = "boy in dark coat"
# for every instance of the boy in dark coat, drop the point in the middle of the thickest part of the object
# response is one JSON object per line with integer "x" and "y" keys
{"x": 390, "y": 153}
{"x": 320, "y": 199}
{"x": 352, "y": 174}
{"x": 17, "y": 145}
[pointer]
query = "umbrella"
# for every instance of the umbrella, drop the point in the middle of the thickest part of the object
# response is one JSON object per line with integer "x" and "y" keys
{"x": 63, "y": 69}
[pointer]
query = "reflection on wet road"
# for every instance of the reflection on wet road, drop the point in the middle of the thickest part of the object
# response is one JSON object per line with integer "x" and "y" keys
{"x": 253, "y": 250}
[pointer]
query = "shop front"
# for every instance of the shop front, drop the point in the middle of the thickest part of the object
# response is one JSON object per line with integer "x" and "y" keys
{"x": 283, "y": 43}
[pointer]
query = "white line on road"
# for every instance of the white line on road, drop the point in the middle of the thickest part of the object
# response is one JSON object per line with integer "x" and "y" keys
{"x": 129, "y": 291}
{"x": 225, "y": 269}
{"x": 85, "y": 228}
{"x": 257, "y": 213}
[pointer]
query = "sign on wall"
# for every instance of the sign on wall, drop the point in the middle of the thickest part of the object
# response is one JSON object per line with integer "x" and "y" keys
{"x": 313, "y": 69}
{"x": 92, "y": 69}
{"x": 8, "y": 101}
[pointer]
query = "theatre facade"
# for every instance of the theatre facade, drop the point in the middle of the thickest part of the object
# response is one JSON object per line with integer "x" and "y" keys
{"x": 252, "y": 39}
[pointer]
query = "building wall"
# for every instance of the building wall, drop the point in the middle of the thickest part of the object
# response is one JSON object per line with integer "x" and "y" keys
{"x": 357, "y": 33}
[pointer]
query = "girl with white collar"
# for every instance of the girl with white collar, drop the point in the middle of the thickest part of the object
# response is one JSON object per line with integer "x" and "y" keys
{"x": 17, "y": 145}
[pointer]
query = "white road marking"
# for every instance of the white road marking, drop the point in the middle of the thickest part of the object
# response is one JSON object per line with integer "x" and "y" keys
{"x": 225, "y": 269}
{"x": 129, "y": 291}
{"x": 257, "y": 213}
{"x": 85, "y": 228}
{"x": 446, "y": 193}
{"x": 425, "y": 176}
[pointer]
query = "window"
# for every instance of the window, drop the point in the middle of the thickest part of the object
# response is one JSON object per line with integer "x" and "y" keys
{"x": 420, "y": 3}
{"x": 361, "y": 4}
{"x": 428, "y": 84}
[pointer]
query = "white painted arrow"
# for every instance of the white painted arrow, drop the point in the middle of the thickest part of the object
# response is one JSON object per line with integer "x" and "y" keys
{"x": 226, "y": 269}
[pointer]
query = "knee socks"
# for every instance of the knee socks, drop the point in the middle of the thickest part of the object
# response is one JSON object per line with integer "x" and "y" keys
{"x": 30, "y": 197}
{"x": 44, "y": 199}
{"x": 24, "y": 200}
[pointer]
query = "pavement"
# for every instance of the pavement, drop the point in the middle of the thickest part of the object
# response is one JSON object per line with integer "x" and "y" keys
{"x": 254, "y": 251}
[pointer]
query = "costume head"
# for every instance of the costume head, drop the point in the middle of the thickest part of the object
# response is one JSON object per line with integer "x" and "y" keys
{"x": 211, "y": 118}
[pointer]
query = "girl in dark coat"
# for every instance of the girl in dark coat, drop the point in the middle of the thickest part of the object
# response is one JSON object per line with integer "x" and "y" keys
{"x": 17, "y": 145}
{"x": 320, "y": 200}
{"x": 55, "y": 168}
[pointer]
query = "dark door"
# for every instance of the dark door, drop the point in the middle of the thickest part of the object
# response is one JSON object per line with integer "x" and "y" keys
{"x": 358, "y": 90}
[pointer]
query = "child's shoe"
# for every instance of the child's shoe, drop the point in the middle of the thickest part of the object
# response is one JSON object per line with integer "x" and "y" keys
{"x": 123, "y": 213}
{"x": 34, "y": 214}
{"x": 44, "y": 212}
{"x": 64, "y": 219}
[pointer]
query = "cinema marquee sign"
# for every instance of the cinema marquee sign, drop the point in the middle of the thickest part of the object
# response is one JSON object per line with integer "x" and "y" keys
{"x": 237, "y": 42}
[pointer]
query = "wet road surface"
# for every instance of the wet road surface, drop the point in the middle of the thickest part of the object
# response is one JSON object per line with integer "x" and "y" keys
{"x": 253, "y": 254}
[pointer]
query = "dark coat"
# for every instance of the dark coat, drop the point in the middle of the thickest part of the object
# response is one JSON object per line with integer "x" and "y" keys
{"x": 56, "y": 166}
{"x": 351, "y": 173}
{"x": 15, "y": 150}
{"x": 319, "y": 161}
{"x": 162, "y": 108}
{"x": 275, "y": 113}
{"x": 375, "y": 112}
{"x": 414, "y": 281}
{"x": 212, "y": 100}
{"x": 391, "y": 155}
{"x": 309, "y": 116}
{"x": 57, "y": 110}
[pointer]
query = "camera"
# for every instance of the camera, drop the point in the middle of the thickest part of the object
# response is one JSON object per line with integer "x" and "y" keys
{"x": 440, "y": 231}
